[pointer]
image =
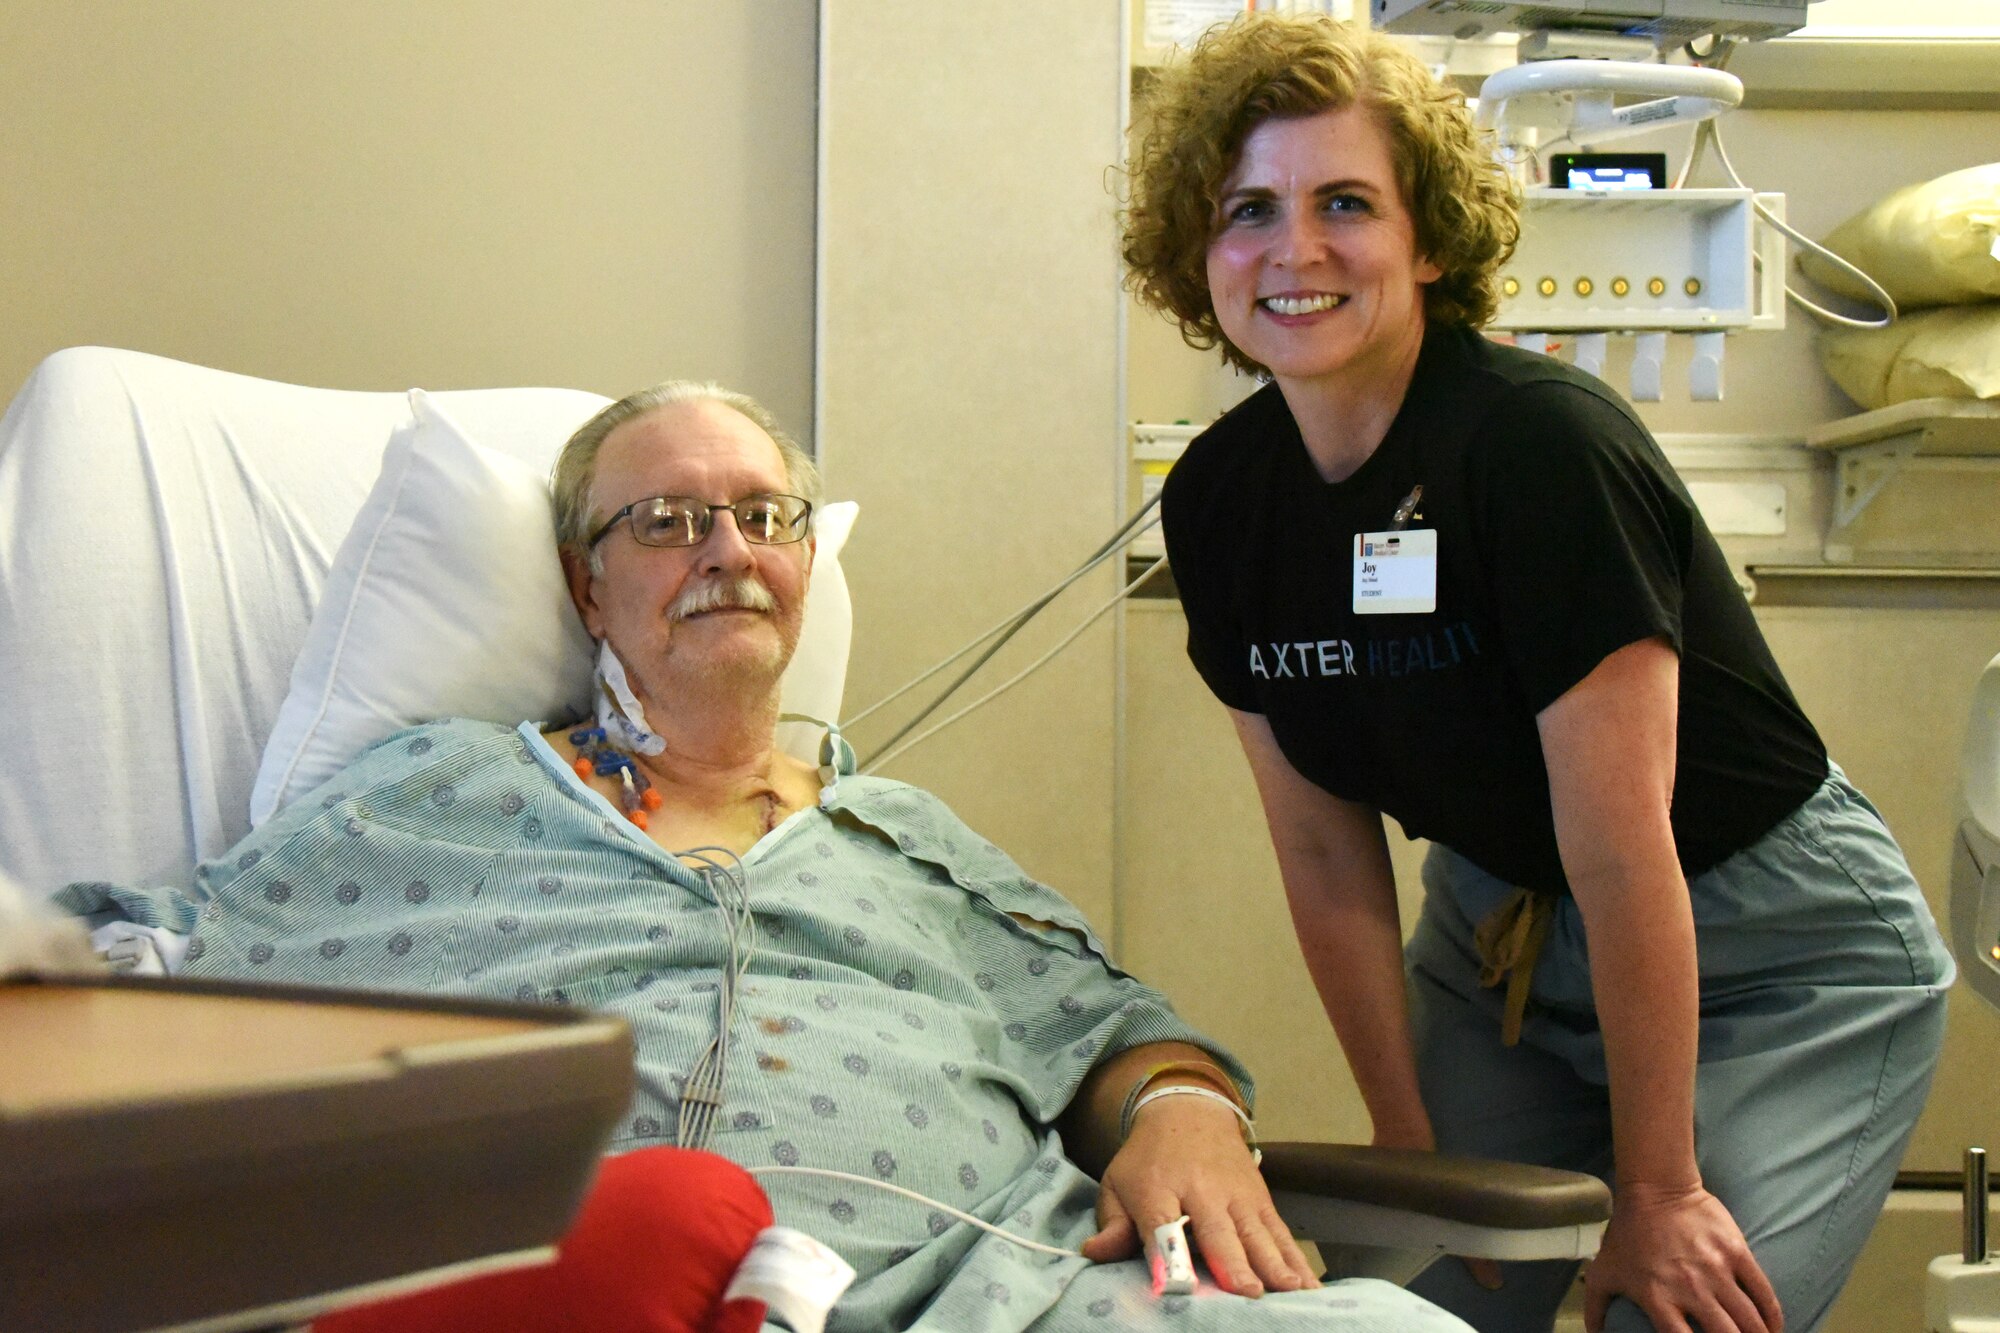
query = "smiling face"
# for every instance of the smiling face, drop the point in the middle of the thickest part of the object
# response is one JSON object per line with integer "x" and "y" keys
{"x": 1313, "y": 269}
{"x": 677, "y": 616}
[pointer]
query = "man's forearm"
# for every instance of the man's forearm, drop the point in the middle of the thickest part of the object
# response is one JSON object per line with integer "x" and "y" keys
{"x": 1089, "y": 1125}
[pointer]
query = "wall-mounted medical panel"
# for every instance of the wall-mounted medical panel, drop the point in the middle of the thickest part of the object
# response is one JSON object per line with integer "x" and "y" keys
{"x": 1635, "y": 260}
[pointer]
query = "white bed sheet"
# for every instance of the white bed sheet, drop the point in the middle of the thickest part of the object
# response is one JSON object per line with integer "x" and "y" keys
{"x": 142, "y": 658}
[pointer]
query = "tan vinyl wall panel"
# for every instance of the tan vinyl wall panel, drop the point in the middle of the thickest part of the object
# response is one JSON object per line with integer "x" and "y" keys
{"x": 375, "y": 194}
{"x": 968, "y": 387}
{"x": 1891, "y": 691}
{"x": 1204, "y": 914}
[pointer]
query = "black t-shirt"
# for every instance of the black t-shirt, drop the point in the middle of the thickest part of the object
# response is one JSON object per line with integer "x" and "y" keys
{"x": 1563, "y": 535}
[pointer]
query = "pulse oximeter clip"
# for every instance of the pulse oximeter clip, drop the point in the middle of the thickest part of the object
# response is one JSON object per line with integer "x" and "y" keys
{"x": 1173, "y": 1265}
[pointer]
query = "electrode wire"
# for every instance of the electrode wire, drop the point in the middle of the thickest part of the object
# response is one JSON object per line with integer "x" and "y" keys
{"x": 701, "y": 1098}
{"x": 1709, "y": 132}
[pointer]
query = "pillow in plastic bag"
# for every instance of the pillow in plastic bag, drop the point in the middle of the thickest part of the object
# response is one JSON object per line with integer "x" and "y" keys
{"x": 1948, "y": 353}
{"x": 1932, "y": 244}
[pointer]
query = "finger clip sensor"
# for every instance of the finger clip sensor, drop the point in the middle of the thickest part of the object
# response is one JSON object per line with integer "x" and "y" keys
{"x": 1173, "y": 1266}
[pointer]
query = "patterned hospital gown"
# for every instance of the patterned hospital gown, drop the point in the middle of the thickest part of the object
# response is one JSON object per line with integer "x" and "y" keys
{"x": 897, "y": 1021}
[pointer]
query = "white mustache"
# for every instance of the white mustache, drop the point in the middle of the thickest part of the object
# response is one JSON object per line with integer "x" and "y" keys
{"x": 740, "y": 592}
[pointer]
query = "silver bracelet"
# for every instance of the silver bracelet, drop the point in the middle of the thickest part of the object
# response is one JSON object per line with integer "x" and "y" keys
{"x": 1191, "y": 1090}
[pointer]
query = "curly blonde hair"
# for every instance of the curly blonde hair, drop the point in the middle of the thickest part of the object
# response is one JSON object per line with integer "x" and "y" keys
{"x": 1273, "y": 66}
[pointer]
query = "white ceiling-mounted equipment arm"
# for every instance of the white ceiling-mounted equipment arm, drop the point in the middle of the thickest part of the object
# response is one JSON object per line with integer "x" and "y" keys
{"x": 1576, "y": 98}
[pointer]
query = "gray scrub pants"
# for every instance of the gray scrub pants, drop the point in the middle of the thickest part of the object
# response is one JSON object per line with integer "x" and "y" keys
{"x": 1822, "y": 1011}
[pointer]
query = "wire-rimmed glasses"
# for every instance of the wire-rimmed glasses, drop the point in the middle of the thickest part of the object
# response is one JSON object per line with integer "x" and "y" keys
{"x": 682, "y": 520}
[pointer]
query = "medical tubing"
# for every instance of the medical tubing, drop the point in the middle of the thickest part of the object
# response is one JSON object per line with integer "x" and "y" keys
{"x": 962, "y": 1216}
{"x": 1012, "y": 625}
{"x": 1697, "y": 143}
{"x": 705, "y": 1081}
{"x": 1880, "y": 296}
{"x": 734, "y": 903}
{"x": 1019, "y": 623}
{"x": 1708, "y": 132}
{"x": 1104, "y": 552}
{"x": 1717, "y": 58}
{"x": 1029, "y": 670}
{"x": 701, "y": 1097}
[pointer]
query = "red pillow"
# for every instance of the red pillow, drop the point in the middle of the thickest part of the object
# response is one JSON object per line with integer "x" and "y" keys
{"x": 651, "y": 1251}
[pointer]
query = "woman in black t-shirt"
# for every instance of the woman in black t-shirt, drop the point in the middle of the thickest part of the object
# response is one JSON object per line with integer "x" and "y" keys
{"x": 1458, "y": 584}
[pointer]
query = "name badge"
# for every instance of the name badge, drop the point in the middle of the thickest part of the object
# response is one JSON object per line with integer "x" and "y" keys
{"x": 1396, "y": 573}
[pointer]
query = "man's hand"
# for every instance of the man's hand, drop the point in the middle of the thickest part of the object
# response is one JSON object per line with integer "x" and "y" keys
{"x": 1186, "y": 1155}
{"x": 34, "y": 937}
{"x": 1678, "y": 1255}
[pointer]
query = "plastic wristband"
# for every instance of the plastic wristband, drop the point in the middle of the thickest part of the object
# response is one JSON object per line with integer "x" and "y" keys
{"x": 1200, "y": 1068}
{"x": 1190, "y": 1090}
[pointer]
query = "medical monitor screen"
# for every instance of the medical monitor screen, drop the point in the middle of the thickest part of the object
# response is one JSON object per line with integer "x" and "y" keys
{"x": 1608, "y": 171}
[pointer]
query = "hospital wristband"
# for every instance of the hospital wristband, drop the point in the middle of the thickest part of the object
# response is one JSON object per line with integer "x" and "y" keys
{"x": 1199, "y": 1068}
{"x": 1190, "y": 1090}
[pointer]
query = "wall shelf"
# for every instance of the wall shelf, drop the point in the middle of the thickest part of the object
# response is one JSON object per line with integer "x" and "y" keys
{"x": 1872, "y": 449}
{"x": 1887, "y": 587}
{"x": 1872, "y": 73}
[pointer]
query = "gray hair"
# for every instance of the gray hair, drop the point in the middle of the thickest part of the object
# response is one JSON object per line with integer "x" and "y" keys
{"x": 576, "y": 466}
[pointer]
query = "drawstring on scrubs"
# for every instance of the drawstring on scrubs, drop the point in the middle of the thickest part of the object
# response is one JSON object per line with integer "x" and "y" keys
{"x": 1509, "y": 941}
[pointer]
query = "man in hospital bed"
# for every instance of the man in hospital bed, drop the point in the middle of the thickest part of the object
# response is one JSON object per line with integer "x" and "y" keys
{"x": 907, "y": 1006}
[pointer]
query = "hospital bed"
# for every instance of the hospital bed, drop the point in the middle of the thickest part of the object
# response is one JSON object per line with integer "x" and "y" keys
{"x": 1962, "y": 1294}
{"x": 215, "y": 588}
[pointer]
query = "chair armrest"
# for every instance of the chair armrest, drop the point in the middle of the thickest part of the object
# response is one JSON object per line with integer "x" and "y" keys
{"x": 1352, "y": 1195}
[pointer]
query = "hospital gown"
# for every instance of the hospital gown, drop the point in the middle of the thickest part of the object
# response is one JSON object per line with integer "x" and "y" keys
{"x": 916, "y": 1011}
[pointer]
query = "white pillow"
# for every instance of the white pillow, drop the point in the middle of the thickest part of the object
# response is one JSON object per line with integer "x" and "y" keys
{"x": 446, "y": 599}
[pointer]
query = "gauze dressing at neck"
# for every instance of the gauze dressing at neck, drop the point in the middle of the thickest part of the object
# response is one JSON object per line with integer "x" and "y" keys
{"x": 619, "y": 711}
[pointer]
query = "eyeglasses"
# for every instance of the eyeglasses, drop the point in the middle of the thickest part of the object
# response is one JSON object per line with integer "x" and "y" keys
{"x": 680, "y": 520}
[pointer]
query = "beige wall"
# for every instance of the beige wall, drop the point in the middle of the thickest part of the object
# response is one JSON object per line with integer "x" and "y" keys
{"x": 374, "y": 194}
{"x": 968, "y": 379}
